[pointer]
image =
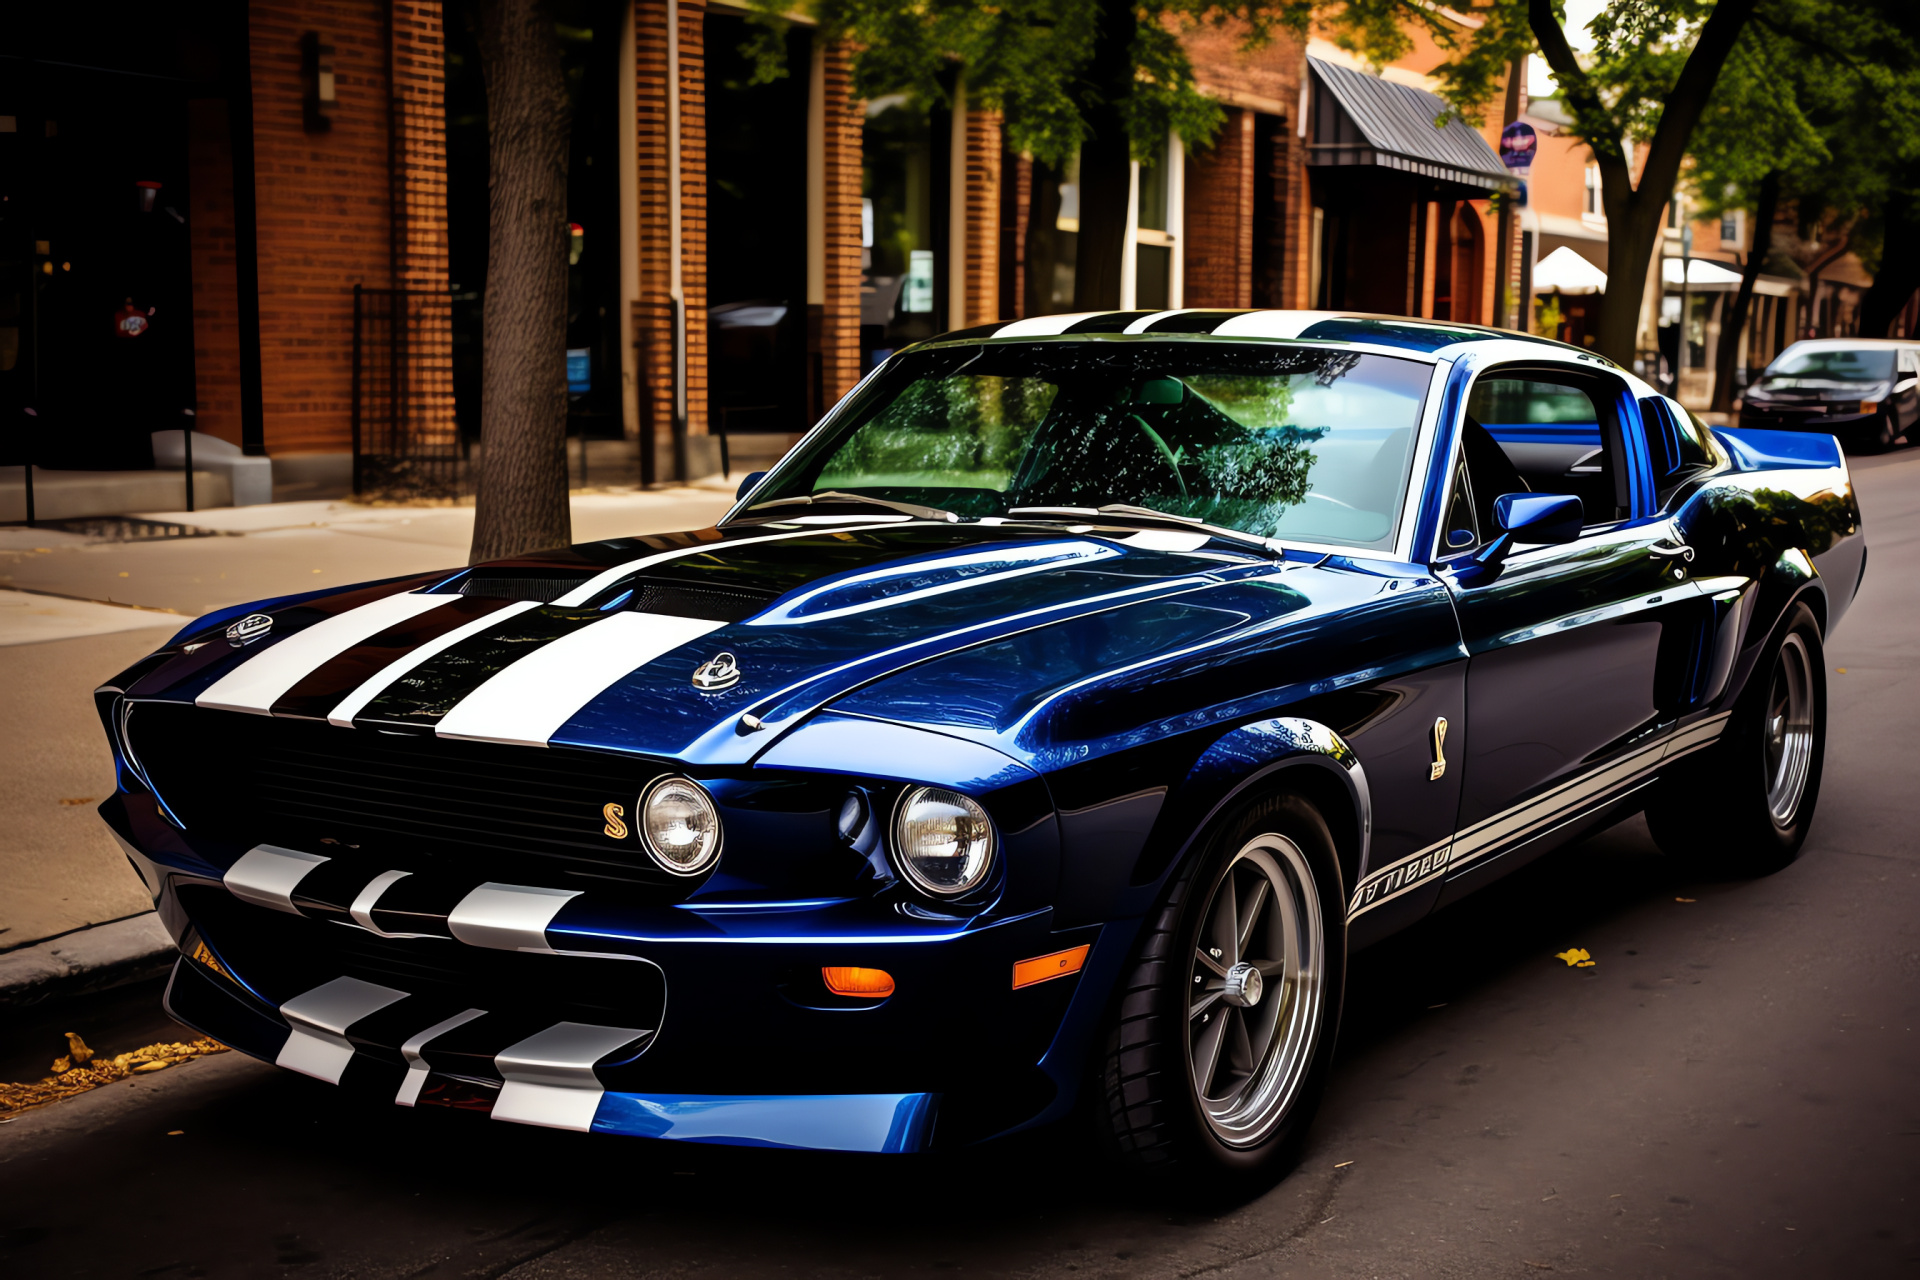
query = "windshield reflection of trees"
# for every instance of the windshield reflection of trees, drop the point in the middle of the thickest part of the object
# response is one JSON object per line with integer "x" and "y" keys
{"x": 1215, "y": 440}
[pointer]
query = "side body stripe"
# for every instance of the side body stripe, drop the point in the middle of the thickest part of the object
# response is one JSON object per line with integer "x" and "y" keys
{"x": 256, "y": 684}
{"x": 1530, "y": 818}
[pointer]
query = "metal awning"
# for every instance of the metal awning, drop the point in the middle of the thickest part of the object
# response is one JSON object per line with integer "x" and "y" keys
{"x": 1360, "y": 119}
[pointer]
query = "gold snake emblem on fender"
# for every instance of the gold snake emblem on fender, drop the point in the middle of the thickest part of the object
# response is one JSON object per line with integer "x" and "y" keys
{"x": 615, "y": 829}
{"x": 1439, "y": 768}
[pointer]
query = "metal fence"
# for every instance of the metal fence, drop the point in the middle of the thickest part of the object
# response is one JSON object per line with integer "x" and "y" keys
{"x": 405, "y": 441}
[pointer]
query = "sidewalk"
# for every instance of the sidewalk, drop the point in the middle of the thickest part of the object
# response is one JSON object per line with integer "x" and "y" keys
{"x": 81, "y": 608}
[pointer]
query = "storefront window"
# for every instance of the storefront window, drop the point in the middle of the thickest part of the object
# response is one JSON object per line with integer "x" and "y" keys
{"x": 898, "y": 257}
{"x": 1154, "y": 231}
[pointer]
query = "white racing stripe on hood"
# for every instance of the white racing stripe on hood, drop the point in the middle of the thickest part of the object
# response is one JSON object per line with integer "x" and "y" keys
{"x": 528, "y": 702}
{"x": 607, "y": 577}
{"x": 260, "y": 681}
{"x": 356, "y": 702}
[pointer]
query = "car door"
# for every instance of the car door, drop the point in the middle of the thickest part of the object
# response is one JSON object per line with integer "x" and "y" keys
{"x": 1905, "y": 409}
{"x": 1574, "y": 649}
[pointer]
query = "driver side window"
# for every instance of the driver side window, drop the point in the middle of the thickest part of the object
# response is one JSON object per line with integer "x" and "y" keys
{"x": 1542, "y": 432}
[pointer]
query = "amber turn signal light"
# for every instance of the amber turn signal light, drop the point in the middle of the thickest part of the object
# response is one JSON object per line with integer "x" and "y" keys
{"x": 1045, "y": 968}
{"x": 867, "y": 984}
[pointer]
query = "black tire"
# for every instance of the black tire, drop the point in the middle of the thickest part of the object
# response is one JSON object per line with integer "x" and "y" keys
{"x": 1729, "y": 810}
{"x": 1151, "y": 1115}
{"x": 1882, "y": 434}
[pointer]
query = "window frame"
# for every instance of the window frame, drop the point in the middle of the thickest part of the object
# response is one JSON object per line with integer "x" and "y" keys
{"x": 1612, "y": 400}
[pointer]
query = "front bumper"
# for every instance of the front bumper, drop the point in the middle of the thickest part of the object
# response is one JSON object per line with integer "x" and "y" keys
{"x": 613, "y": 1017}
{"x": 1753, "y": 418}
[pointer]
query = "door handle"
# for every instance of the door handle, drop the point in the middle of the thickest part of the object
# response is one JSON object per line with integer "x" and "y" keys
{"x": 1670, "y": 551}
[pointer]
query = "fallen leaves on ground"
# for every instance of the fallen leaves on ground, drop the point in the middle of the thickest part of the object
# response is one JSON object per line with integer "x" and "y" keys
{"x": 1576, "y": 958}
{"x": 80, "y": 1070}
{"x": 1686, "y": 899}
{"x": 78, "y": 800}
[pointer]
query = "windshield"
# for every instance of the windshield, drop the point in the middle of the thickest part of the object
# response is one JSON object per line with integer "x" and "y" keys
{"x": 1295, "y": 443}
{"x": 1833, "y": 366}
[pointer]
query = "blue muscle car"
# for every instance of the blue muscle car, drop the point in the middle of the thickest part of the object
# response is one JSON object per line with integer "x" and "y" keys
{"x": 1042, "y": 734}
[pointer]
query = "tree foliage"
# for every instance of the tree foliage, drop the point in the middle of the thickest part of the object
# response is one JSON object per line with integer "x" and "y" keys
{"x": 1035, "y": 61}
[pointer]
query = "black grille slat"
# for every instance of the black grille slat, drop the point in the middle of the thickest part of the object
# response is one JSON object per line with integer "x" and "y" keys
{"x": 417, "y": 802}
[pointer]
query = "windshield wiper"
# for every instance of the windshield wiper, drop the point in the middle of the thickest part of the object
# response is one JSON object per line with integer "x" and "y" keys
{"x": 1147, "y": 515}
{"x": 835, "y": 495}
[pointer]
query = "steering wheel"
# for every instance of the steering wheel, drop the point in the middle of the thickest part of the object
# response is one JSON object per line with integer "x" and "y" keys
{"x": 1160, "y": 447}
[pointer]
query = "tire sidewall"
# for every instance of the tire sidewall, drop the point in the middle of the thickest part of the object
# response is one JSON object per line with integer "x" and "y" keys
{"x": 1292, "y": 817}
{"x": 1748, "y": 755}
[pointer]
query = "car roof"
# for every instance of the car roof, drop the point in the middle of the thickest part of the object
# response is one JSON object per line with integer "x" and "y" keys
{"x": 1408, "y": 332}
{"x": 1847, "y": 344}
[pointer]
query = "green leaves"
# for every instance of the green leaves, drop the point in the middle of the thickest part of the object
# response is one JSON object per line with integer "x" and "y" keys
{"x": 1031, "y": 60}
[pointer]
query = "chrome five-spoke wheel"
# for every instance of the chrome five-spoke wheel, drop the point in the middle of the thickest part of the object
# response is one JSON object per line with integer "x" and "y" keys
{"x": 1256, "y": 989}
{"x": 1789, "y": 730}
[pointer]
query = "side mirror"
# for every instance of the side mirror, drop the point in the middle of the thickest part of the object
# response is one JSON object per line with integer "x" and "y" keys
{"x": 1532, "y": 517}
{"x": 751, "y": 479}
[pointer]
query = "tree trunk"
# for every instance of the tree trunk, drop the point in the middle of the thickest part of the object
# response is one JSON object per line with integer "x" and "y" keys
{"x": 521, "y": 502}
{"x": 1634, "y": 212}
{"x": 1899, "y": 271}
{"x": 1733, "y": 325}
{"x": 1631, "y": 240}
{"x": 1043, "y": 239}
{"x": 1105, "y": 158}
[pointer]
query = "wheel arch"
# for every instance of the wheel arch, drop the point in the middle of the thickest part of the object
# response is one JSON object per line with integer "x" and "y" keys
{"x": 1306, "y": 755}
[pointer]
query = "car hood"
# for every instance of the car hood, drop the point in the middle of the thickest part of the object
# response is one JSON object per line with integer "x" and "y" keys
{"x": 619, "y": 645}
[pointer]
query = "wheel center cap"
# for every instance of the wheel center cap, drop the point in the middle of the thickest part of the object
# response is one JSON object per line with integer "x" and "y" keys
{"x": 1243, "y": 986}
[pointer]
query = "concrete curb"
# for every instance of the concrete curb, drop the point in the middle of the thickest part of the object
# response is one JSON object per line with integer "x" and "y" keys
{"x": 103, "y": 955}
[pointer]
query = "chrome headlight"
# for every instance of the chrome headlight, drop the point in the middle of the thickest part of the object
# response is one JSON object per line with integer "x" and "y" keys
{"x": 680, "y": 826}
{"x": 943, "y": 841}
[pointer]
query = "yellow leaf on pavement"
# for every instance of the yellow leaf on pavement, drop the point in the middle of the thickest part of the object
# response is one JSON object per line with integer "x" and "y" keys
{"x": 1574, "y": 956}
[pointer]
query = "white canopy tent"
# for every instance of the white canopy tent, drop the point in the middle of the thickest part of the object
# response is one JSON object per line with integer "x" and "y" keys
{"x": 1700, "y": 271}
{"x": 1564, "y": 271}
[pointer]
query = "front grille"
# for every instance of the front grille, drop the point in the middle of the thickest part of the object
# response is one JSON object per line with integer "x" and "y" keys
{"x": 416, "y": 802}
{"x": 281, "y": 956}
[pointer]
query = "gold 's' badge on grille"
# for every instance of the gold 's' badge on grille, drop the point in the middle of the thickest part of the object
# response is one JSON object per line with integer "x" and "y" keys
{"x": 615, "y": 829}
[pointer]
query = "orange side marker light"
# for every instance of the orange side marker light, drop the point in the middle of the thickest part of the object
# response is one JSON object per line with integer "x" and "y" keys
{"x": 1045, "y": 968}
{"x": 868, "y": 984}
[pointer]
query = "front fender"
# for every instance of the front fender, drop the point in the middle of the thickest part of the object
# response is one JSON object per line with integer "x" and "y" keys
{"x": 1316, "y": 759}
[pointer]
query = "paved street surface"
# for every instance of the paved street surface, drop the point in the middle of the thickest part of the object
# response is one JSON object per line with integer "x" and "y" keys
{"x": 1732, "y": 1090}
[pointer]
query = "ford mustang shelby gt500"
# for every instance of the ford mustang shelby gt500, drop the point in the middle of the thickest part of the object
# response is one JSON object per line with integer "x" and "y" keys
{"x": 1042, "y": 733}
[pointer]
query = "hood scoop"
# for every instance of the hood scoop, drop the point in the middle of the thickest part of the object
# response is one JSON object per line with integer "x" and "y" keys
{"x": 679, "y": 600}
{"x": 545, "y": 589}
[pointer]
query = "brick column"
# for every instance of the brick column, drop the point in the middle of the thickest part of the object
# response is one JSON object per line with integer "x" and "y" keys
{"x": 653, "y": 308}
{"x": 693, "y": 205}
{"x": 1219, "y": 217}
{"x": 841, "y": 119}
{"x": 419, "y": 196}
{"x": 1016, "y": 201}
{"x": 979, "y": 282}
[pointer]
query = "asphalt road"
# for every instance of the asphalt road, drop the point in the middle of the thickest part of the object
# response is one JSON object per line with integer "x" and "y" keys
{"x": 1732, "y": 1090}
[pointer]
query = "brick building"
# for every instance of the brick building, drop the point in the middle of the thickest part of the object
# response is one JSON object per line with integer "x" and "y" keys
{"x": 315, "y": 258}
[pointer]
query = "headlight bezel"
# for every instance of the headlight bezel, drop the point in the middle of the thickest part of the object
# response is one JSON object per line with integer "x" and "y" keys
{"x": 984, "y": 876}
{"x": 643, "y": 827}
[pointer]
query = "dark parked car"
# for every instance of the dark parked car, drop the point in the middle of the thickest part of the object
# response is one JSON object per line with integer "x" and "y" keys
{"x": 1042, "y": 734}
{"x": 1864, "y": 390}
